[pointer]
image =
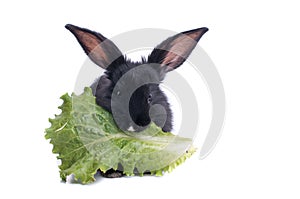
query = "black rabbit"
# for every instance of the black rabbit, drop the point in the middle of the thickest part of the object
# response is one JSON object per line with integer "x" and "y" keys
{"x": 165, "y": 57}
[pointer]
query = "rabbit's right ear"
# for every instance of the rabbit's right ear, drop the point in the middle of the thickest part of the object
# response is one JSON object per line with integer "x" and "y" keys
{"x": 100, "y": 50}
{"x": 172, "y": 52}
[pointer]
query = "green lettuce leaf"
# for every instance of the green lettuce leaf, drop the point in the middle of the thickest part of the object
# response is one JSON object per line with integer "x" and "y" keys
{"x": 86, "y": 139}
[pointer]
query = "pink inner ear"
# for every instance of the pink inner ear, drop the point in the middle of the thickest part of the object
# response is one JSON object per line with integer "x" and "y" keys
{"x": 179, "y": 50}
{"x": 92, "y": 46}
{"x": 98, "y": 55}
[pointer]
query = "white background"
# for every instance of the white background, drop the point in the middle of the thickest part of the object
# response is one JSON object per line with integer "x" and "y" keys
{"x": 255, "y": 46}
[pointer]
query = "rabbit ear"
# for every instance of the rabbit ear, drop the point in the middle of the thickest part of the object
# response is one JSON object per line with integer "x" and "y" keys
{"x": 172, "y": 52}
{"x": 100, "y": 50}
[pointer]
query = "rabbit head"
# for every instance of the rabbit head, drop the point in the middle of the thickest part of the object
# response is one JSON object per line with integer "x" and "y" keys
{"x": 130, "y": 90}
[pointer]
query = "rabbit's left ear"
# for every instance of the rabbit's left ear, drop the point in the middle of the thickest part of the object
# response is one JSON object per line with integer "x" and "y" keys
{"x": 172, "y": 52}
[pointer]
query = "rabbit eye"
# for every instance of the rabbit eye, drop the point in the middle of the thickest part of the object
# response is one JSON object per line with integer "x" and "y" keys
{"x": 118, "y": 93}
{"x": 149, "y": 100}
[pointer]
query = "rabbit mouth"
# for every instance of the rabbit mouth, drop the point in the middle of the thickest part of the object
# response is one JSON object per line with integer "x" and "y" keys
{"x": 131, "y": 129}
{"x": 137, "y": 127}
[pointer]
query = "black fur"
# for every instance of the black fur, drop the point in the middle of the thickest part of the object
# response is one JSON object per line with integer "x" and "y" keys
{"x": 161, "y": 60}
